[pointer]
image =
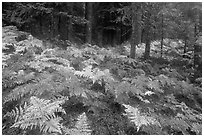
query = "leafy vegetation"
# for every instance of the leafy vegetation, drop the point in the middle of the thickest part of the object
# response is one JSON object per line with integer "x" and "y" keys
{"x": 91, "y": 90}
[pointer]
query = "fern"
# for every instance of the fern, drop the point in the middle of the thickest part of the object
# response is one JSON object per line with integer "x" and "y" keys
{"x": 129, "y": 88}
{"x": 46, "y": 82}
{"x": 90, "y": 62}
{"x": 166, "y": 81}
{"x": 5, "y": 57}
{"x": 89, "y": 51}
{"x": 129, "y": 61}
{"x": 155, "y": 85}
{"x": 39, "y": 113}
{"x": 23, "y": 77}
{"x": 52, "y": 125}
{"x": 175, "y": 124}
{"x": 42, "y": 62}
{"x": 75, "y": 52}
{"x": 95, "y": 75}
{"x": 81, "y": 127}
{"x": 197, "y": 127}
{"x": 139, "y": 119}
{"x": 86, "y": 72}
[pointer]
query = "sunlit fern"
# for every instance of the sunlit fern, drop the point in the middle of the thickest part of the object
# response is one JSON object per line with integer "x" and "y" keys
{"x": 46, "y": 82}
{"x": 95, "y": 75}
{"x": 39, "y": 113}
{"x": 138, "y": 118}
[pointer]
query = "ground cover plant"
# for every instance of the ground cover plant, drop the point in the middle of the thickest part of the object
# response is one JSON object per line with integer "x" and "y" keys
{"x": 90, "y": 90}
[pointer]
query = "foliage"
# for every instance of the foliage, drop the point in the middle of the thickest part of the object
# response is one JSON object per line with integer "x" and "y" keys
{"x": 81, "y": 127}
{"x": 138, "y": 119}
{"x": 39, "y": 113}
{"x": 92, "y": 90}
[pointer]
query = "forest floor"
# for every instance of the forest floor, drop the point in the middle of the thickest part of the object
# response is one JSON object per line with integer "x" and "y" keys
{"x": 87, "y": 89}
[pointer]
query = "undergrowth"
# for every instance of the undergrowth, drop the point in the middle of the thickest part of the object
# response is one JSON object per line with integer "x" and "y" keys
{"x": 92, "y": 90}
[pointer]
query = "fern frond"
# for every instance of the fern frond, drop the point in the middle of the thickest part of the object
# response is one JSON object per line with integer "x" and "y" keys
{"x": 5, "y": 57}
{"x": 58, "y": 81}
{"x": 89, "y": 51}
{"x": 81, "y": 127}
{"x": 107, "y": 53}
{"x": 53, "y": 125}
{"x": 86, "y": 72}
{"x": 139, "y": 119}
{"x": 155, "y": 85}
{"x": 75, "y": 52}
{"x": 40, "y": 113}
{"x": 166, "y": 81}
{"x": 129, "y": 61}
{"x": 23, "y": 77}
{"x": 32, "y": 88}
{"x": 174, "y": 123}
{"x": 90, "y": 62}
{"x": 197, "y": 127}
{"x": 17, "y": 112}
{"x": 95, "y": 75}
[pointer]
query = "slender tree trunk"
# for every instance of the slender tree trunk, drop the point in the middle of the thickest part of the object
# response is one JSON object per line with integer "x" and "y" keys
{"x": 49, "y": 30}
{"x": 197, "y": 64}
{"x": 147, "y": 36}
{"x": 100, "y": 37}
{"x": 51, "y": 26}
{"x": 70, "y": 22}
{"x": 40, "y": 27}
{"x": 196, "y": 49}
{"x": 89, "y": 24}
{"x": 162, "y": 35}
{"x": 136, "y": 29}
{"x": 155, "y": 29}
{"x": 147, "y": 47}
{"x": 118, "y": 36}
{"x": 58, "y": 25}
{"x": 185, "y": 46}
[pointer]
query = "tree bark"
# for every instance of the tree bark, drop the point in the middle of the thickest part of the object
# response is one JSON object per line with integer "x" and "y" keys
{"x": 197, "y": 48}
{"x": 162, "y": 35}
{"x": 136, "y": 29}
{"x": 70, "y": 22}
{"x": 147, "y": 36}
{"x": 100, "y": 37}
{"x": 147, "y": 47}
{"x": 185, "y": 46}
{"x": 89, "y": 24}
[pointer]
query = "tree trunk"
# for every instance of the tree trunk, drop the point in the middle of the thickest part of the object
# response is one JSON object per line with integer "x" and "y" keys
{"x": 196, "y": 46}
{"x": 118, "y": 36}
{"x": 70, "y": 22}
{"x": 89, "y": 24}
{"x": 51, "y": 30}
{"x": 41, "y": 26}
{"x": 197, "y": 49}
{"x": 185, "y": 46}
{"x": 100, "y": 37}
{"x": 162, "y": 35}
{"x": 147, "y": 47}
{"x": 136, "y": 29}
{"x": 147, "y": 36}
